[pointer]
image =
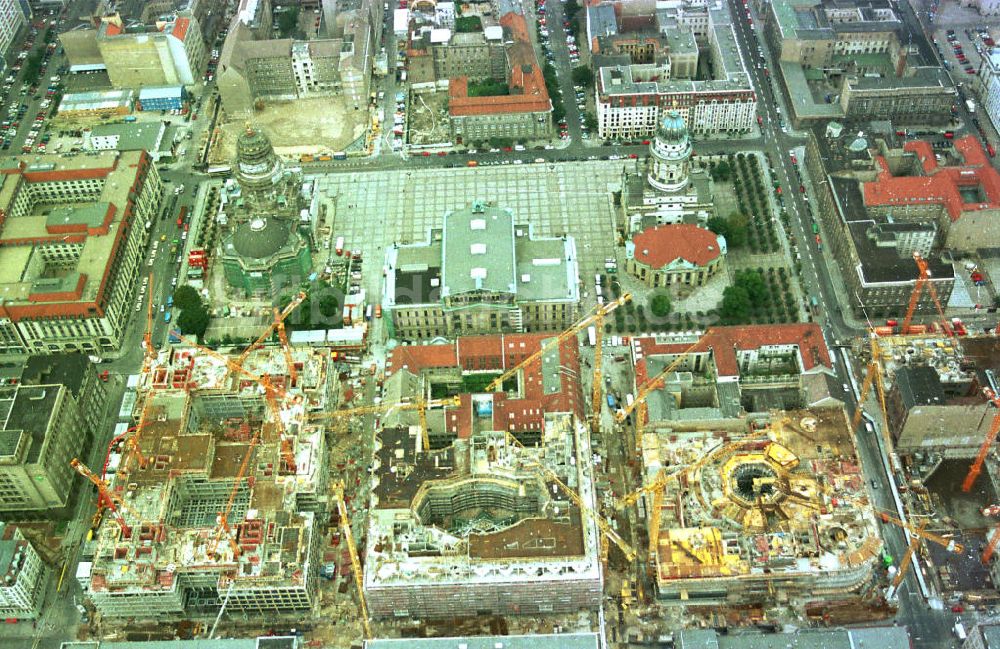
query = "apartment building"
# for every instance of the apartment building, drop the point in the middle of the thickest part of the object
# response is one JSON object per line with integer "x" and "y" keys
{"x": 72, "y": 241}
{"x": 166, "y": 53}
{"x": 23, "y": 576}
{"x": 632, "y": 98}
{"x": 12, "y": 21}
{"x": 481, "y": 273}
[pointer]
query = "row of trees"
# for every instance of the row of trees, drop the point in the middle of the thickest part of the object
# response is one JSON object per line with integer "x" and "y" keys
{"x": 761, "y": 296}
{"x": 752, "y": 199}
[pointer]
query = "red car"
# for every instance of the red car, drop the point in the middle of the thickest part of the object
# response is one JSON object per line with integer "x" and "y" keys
{"x": 633, "y": 156}
{"x": 802, "y": 189}
{"x": 426, "y": 154}
{"x": 441, "y": 154}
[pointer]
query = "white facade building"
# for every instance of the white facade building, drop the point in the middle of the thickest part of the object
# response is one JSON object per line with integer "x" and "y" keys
{"x": 11, "y": 21}
{"x": 670, "y": 155}
{"x": 989, "y": 73}
{"x": 22, "y": 576}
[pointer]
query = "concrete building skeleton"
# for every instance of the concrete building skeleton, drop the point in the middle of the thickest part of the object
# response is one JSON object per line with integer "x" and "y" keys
{"x": 200, "y": 423}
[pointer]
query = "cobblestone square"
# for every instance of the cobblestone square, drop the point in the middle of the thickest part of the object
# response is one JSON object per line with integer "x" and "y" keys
{"x": 374, "y": 209}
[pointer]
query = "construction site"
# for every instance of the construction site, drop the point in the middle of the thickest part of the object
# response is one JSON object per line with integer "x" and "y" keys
{"x": 488, "y": 503}
{"x": 207, "y": 452}
{"x": 775, "y": 512}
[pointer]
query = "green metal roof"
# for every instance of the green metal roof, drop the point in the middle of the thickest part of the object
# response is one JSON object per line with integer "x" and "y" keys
{"x": 478, "y": 251}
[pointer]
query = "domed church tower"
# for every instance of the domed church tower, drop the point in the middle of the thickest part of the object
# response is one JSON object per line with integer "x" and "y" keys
{"x": 669, "y": 154}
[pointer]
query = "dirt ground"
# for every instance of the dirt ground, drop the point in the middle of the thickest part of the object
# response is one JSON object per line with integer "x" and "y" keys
{"x": 314, "y": 125}
{"x": 428, "y": 118}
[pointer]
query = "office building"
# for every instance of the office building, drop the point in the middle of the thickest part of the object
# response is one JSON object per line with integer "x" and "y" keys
{"x": 494, "y": 498}
{"x": 73, "y": 236}
{"x": 164, "y": 53}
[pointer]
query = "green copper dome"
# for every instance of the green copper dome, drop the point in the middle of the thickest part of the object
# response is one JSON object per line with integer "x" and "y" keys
{"x": 672, "y": 127}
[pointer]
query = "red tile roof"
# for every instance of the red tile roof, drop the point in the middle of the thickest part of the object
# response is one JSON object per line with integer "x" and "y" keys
{"x": 724, "y": 342}
{"x": 180, "y": 28}
{"x": 497, "y": 353}
{"x": 527, "y": 85}
{"x": 940, "y": 185}
{"x": 661, "y": 245}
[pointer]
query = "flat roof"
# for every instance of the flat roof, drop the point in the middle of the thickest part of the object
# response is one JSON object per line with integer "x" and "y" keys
{"x": 478, "y": 251}
{"x": 91, "y": 226}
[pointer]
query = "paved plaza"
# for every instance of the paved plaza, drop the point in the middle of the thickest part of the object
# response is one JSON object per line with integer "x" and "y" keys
{"x": 374, "y": 209}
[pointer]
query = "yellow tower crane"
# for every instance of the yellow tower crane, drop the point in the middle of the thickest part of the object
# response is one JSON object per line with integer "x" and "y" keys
{"x": 553, "y": 343}
{"x": 345, "y": 526}
{"x": 584, "y": 508}
{"x": 656, "y": 382}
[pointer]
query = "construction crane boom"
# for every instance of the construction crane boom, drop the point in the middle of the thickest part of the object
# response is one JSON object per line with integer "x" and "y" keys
{"x": 601, "y": 311}
{"x": 907, "y": 559}
{"x": 105, "y": 497}
{"x": 279, "y": 320}
{"x": 595, "y": 401}
{"x": 949, "y": 544}
{"x": 352, "y": 549}
{"x": 977, "y": 465}
{"x": 923, "y": 281}
{"x": 655, "y": 383}
{"x": 584, "y": 508}
{"x": 149, "y": 355}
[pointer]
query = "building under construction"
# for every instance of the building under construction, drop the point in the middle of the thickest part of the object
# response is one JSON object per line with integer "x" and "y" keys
{"x": 477, "y": 523}
{"x": 775, "y": 511}
{"x": 218, "y": 496}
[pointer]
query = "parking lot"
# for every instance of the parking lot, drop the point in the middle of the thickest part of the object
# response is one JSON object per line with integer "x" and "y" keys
{"x": 31, "y": 91}
{"x": 962, "y": 48}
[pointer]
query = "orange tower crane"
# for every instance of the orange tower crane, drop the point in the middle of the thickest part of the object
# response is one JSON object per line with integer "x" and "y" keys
{"x": 105, "y": 497}
{"x": 992, "y": 546}
{"x": 271, "y": 394}
{"x": 984, "y": 450}
{"x": 279, "y": 326}
{"x": 923, "y": 281}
